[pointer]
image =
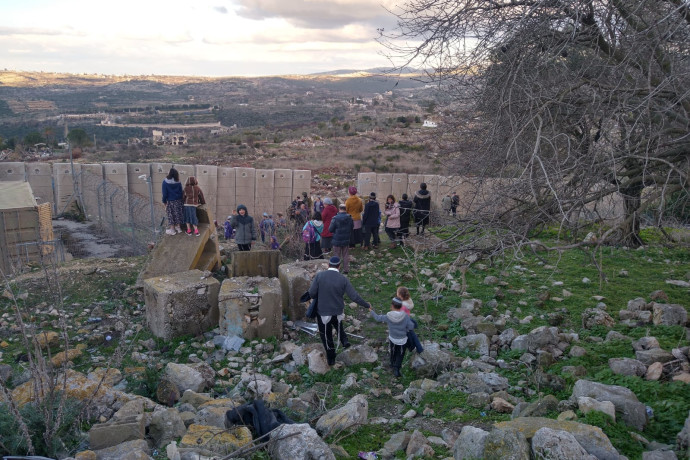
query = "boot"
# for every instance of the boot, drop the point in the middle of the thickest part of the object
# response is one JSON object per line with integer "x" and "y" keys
{"x": 330, "y": 357}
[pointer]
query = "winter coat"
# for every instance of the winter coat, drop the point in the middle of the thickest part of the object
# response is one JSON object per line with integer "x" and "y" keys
{"x": 245, "y": 231}
{"x": 172, "y": 190}
{"x": 445, "y": 203}
{"x": 341, "y": 226}
{"x": 405, "y": 212}
{"x": 193, "y": 195}
{"x": 354, "y": 207}
{"x": 422, "y": 200}
{"x": 393, "y": 214}
{"x": 318, "y": 228}
{"x": 329, "y": 211}
{"x": 328, "y": 287}
{"x": 399, "y": 323}
{"x": 372, "y": 214}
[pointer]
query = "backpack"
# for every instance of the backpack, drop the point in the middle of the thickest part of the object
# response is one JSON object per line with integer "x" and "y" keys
{"x": 309, "y": 233}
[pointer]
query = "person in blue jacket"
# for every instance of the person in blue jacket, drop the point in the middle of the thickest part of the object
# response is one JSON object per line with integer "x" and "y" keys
{"x": 172, "y": 199}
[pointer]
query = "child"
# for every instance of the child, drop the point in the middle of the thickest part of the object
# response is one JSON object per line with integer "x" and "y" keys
{"x": 407, "y": 304}
{"x": 399, "y": 325}
{"x": 274, "y": 242}
{"x": 192, "y": 197}
{"x": 227, "y": 226}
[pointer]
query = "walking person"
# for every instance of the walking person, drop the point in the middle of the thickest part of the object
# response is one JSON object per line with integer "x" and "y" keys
{"x": 172, "y": 199}
{"x": 370, "y": 222}
{"x": 329, "y": 211}
{"x": 312, "y": 247}
{"x": 341, "y": 228}
{"x": 446, "y": 204}
{"x": 422, "y": 207}
{"x": 392, "y": 212}
{"x": 405, "y": 216}
{"x": 328, "y": 288}
{"x": 355, "y": 206}
{"x": 454, "y": 203}
{"x": 267, "y": 227}
{"x": 399, "y": 324}
{"x": 245, "y": 231}
{"x": 318, "y": 205}
{"x": 192, "y": 197}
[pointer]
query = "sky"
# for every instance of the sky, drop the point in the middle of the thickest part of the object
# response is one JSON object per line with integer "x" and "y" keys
{"x": 193, "y": 37}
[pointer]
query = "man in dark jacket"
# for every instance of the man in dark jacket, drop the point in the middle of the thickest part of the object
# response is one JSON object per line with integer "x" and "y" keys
{"x": 328, "y": 288}
{"x": 341, "y": 226}
{"x": 422, "y": 207}
{"x": 405, "y": 215}
{"x": 370, "y": 222}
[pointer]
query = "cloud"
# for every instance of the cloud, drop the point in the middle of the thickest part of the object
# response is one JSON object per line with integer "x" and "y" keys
{"x": 318, "y": 14}
{"x": 18, "y": 31}
{"x": 221, "y": 9}
{"x": 349, "y": 34}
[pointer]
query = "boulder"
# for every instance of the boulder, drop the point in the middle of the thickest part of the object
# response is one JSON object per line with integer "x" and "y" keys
{"x": 358, "y": 354}
{"x": 127, "y": 450}
{"x": 166, "y": 425}
{"x": 185, "y": 377}
{"x": 251, "y": 307}
{"x": 586, "y": 404}
{"x": 549, "y": 444}
{"x": 536, "y": 409}
{"x": 475, "y": 343}
{"x": 645, "y": 343}
{"x": 506, "y": 445}
{"x": 298, "y": 441}
{"x": 219, "y": 440}
{"x": 592, "y": 438}
{"x": 295, "y": 280}
{"x": 354, "y": 412}
{"x": 397, "y": 442}
{"x": 669, "y": 314}
{"x": 659, "y": 455}
{"x": 418, "y": 446}
{"x": 432, "y": 361}
{"x": 627, "y": 366}
{"x": 181, "y": 304}
{"x": 318, "y": 364}
{"x": 470, "y": 443}
{"x": 631, "y": 410}
{"x": 653, "y": 355}
{"x": 683, "y": 438}
{"x": 596, "y": 317}
{"x": 116, "y": 432}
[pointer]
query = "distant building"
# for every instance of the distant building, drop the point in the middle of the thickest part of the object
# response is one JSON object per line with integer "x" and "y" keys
{"x": 429, "y": 124}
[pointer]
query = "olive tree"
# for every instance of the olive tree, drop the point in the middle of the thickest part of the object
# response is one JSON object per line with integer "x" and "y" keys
{"x": 562, "y": 102}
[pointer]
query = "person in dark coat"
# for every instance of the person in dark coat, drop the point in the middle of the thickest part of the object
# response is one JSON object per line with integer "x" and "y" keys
{"x": 328, "y": 288}
{"x": 405, "y": 215}
{"x": 422, "y": 207}
{"x": 173, "y": 201}
{"x": 341, "y": 227}
{"x": 245, "y": 231}
{"x": 370, "y": 221}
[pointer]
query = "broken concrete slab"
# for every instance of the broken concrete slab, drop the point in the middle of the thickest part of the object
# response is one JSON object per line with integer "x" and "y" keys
{"x": 251, "y": 307}
{"x": 254, "y": 263}
{"x": 181, "y": 303}
{"x": 295, "y": 280}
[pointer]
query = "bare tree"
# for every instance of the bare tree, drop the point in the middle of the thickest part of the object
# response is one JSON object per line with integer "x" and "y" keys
{"x": 561, "y": 104}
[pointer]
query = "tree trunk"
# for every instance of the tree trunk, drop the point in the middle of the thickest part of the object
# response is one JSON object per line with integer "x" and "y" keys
{"x": 632, "y": 198}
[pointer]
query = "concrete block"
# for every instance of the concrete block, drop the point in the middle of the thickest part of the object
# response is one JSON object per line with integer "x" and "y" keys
{"x": 116, "y": 432}
{"x": 158, "y": 173}
{"x": 254, "y": 263}
{"x": 64, "y": 184}
{"x": 384, "y": 185}
{"x": 39, "y": 176}
{"x": 91, "y": 181}
{"x": 225, "y": 191}
{"x": 185, "y": 171}
{"x": 207, "y": 176}
{"x": 413, "y": 183}
{"x": 264, "y": 188}
{"x": 432, "y": 182}
{"x": 245, "y": 189}
{"x": 398, "y": 186}
{"x": 138, "y": 186}
{"x": 295, "y": 280}
{"x": 181, "y": 303}
{"x": 251, "y": 307}
{"x": 366, "y": 183}
{"x": 13, "y": 172}
{"x": 301, "y": 182}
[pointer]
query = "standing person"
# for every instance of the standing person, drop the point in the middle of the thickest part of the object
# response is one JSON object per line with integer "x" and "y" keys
{"x": 312, "y": 248}
{"x": 328, "y": 288}
{"x": 245, "y": 232}
{"x": 454, "y": 203}
{"x": 370, "y": 222}
{"x": 392, "y": 212}
{"x": 172, "y": 199}
{"x": 446, "y": 204}
{"x": 264, "y": 216}
{"x": 422, "y": 207}
{"x": 227, "y": 228}
{"x": 318, "y": 205}
{"x": 329, "y": 211}
{"x": 280, "y": 221}
{"x": 306, "y": 199}
{"x": 267, "y": 227}
{"x": 405, "y": 215}
{"x": 341, "y": 228}
{"x": 399, "y": 324}
{"x": 403, "y": 294}
{"x": 192, "y": 197}
{"x": 354, "y": 207}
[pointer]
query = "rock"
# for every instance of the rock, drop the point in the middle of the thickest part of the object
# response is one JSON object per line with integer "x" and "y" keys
{"x": 659, "y": 295}
{"x": 595, "y": 317}
{"x": 470, "y": 443}
{"x": 536, "y": 409}
{"x": 506, "y": 445}
{"x": 397, "y": 442}
{"x": 295, "y": 280}
{"x": 549, "y": 444}
{"x": 181, "y": 303}
{"x": 577, "y": 352}
{"x": 682, "y": 377}
{"x": 645, "y": 343}
{"x": 490, "y": 280}
{"x": 166, "y": 426}
{"x": 354, "y": 412}
{"x": 358, "y": 354}
{"x": 586, "y": 404}
{"x": 659, "y": 455}
{"x": 418, "y": 446}
{"x": 649, "y": 357}
{"x": 502, "y": 406}
{"x": 194, "y": 398}
{"x": 126, "y": 450}
{"x": 318, "y": 364}
{"x": 167, "y": 392}
{"x": 48, "y": 339}
{"x": 631, "y": 410}
{"x": 218, "y": 440}
{"x": 478, "y": 400}
{"x": 298, "y": 441}
{"x": 86, "y": 455}
{"x": 212, "y": 415}
{"x": 60, "y": 359}
{"x": 251, "y": 307}
{"x": 116, "y": 432}
{"x": 110, "y": 377}
{"x": 592, "y": 438}
{"x": 432, "y": 361}
{"x": 654, "y": 371}
{"x": 627, "y": 366}
{"x": 683, "y": 438}
{"x": 669, "y": 314}
{"x": 615, "y": 335}
{"x": 506, "y": 337}
{"x": 185, "y": 377}
{"x": 476, "y": 343}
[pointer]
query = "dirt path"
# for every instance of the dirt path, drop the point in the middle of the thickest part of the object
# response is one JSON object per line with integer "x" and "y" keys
{"x": 86, "y": 240}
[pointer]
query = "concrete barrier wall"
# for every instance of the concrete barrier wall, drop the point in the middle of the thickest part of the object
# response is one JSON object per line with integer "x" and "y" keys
{"x": 91, "y": 179}
{"x": 226, "y": 201}
{"x": 40, "y": 177}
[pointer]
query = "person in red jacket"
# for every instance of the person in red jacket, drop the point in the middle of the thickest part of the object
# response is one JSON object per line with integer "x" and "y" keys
{"x": 329, "y": 210}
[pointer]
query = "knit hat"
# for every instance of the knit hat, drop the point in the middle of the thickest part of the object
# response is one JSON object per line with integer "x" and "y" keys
{"x": 397, "y": 302}
{"x": 352, "y": 190}
{"x": 342, "y": 206}
{"x": 372, "y": 195}
{"x": 327, "y": 201}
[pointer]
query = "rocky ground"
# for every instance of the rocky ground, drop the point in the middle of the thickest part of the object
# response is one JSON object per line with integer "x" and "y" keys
{"x": 501, "y": 376}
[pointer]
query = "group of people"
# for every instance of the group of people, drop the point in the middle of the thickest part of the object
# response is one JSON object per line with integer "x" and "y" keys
{"x": 181, "y": 203}
{"x": 327, "y": 290}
